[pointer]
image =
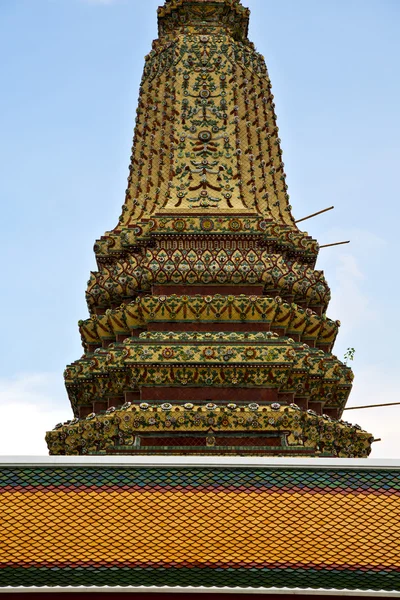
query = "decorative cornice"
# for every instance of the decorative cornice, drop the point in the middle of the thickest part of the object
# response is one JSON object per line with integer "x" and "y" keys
{"x": 121, "y": 280}
{"x": 219, "y": 360}
{"x": 299, "y": 432}
{"x": 268, "y": 234}
{"x": 260, "y": 311}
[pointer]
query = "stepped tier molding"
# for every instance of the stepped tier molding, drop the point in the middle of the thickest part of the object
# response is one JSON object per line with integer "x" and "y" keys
{"x": 155, "y": 364}
{"x": 208, "y": 331}
{"x": 268, "y": 273}
{"x": 230, "y": 429}
{"x": 262, "y": 233}
{"x": 244, "y": 312}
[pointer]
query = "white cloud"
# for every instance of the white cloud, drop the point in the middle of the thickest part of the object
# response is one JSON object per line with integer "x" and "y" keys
{"x": 30, "y": 405}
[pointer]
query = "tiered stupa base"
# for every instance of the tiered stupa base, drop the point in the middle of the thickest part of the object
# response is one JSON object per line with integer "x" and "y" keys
{"x": 255, "y": 392}
{"x": 208, "y": 331}
{"x": 210, "y": 429}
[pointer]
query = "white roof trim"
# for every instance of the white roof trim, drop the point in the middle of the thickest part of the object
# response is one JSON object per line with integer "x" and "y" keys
{"x": 202, "y": 590}
{"x": 198, "y": 461}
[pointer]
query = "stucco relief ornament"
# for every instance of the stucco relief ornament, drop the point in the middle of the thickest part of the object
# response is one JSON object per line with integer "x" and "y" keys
{"x": 206, "y": 287}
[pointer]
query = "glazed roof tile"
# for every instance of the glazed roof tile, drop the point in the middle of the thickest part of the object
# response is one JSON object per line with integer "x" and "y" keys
{"x": 132, "y": 522}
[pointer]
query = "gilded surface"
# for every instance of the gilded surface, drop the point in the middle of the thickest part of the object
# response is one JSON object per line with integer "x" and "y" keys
{"x": 206, "y": 139}
{"x": 206, "y": 283}
{"x": 225, "y": 360}
{"x": 290, "y": 319}
{"x": 119, "y": 280}
{"x": 297, "y": 430}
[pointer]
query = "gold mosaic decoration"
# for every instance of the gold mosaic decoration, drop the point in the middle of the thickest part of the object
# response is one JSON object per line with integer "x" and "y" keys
{"x": 122, "y": 280}
{"x": 122, "y": 430}
{"x": 225, "y": 360}
{"x": 206, "y": 288}
{"x": 273, "y": 313}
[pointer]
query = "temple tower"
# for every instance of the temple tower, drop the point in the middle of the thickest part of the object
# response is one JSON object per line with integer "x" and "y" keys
{"x": 208, "y": 331}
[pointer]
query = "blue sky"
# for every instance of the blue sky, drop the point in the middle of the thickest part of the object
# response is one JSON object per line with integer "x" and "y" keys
{"x": 70, "y": 74}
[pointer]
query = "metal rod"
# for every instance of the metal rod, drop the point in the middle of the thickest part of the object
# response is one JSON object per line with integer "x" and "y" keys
{"x": 335, "y": 244}
{"x": 373, "y": 406}
{"x": 314, "y": 214}
{"x": 377, "y": 440}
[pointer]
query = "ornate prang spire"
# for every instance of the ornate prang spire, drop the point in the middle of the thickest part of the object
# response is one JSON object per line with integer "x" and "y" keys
{"x": 204, "y": 17}
{"x": 208, "y": 331}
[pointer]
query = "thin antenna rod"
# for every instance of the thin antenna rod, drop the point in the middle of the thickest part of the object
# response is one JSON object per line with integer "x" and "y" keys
{"x": 335, "y": 244}
{"x": 373, "y": 406}
{"x": 314, "y": 214}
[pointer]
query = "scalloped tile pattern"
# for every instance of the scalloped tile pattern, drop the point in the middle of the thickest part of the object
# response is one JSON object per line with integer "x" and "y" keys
{"x": 198, "y": 526}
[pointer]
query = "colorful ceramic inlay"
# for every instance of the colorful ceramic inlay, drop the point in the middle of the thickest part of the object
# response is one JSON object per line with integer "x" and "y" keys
{"x": 198, "y": 526}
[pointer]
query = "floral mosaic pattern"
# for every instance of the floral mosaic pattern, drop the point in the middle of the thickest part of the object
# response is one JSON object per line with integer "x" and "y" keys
{"x": 121, "y": 280}
{"x": 290, "y": 319}
{"x": 120, "y": 428}
{"x": 207, "y": 210}
{"x": 219, "y": 360}
{"x": 264, "y": 231}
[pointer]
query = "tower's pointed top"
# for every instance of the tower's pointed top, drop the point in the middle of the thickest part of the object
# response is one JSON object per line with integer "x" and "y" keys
{"x": 205, "y": 16}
